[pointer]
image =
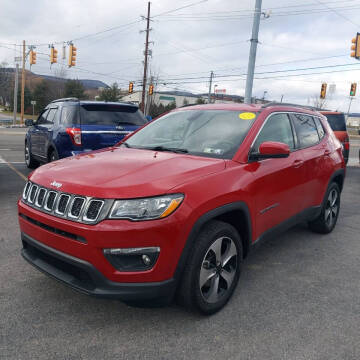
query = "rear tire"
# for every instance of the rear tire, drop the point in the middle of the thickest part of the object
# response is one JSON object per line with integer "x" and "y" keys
{"x": 30, "y": 162}
{"x": 53, "y": 155}
{"x": 326, "y": 221}
{"x": 212, "y": 270}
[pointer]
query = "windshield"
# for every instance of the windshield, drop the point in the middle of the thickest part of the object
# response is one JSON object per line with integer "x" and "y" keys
{"x": 210, "y": 133}
{"x": 336, "y": 122}
{"x": 93, "y": 114}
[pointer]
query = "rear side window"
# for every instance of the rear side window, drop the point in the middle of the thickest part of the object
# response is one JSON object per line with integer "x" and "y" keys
{"x": 92, "y": 114}
{"x": 320, "y": 128}
{"x": 70, "y": 115}
{"x": 277, "y": 128}
{"x": 306, "y": 130}
{"x": 336, "y": 122}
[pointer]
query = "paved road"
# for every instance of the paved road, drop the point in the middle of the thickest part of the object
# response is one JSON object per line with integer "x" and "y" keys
{"x": 298, "y": 298}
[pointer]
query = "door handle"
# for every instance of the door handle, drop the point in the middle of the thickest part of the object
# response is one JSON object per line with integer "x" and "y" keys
{"x": 297, "y": 163}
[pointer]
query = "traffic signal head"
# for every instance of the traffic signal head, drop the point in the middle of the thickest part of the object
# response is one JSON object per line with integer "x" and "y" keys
{"x": 355, "y": 47}
{"x": 353, "y": 89}
{"x": 53, "y": 55}
{"x": 323, "y": 91}
{"x": 72, "y": 55}
{"x": 32, "y": 57}
{"x": 151, "y": 89}
{"x": 131, "y": 87}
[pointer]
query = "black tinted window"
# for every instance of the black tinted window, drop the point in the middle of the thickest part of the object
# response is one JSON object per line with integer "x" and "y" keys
{"x": 336, "y": 121}
{"x": 277, "y": 128}
{"x": 70, "y": 115}
{"x": 92, "y": 114}
{"x": 320, "y": 128}
{"x": 306, "y": 130}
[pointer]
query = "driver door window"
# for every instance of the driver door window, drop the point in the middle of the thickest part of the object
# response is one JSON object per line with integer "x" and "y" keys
{"x": 277, "y": 128}
{"x": 42, "y": 118}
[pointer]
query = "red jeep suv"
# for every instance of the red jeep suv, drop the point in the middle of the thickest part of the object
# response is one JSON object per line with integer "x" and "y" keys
{"x": 176, "y": 206}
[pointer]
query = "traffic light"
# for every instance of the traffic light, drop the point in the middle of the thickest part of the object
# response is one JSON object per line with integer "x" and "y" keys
{"x": 353, "y": 89}
{"x": 131, "y": 87}
{"x": 323, "y": 91}
{"x": 151, "y": 89}
{"x": 32, "y": 57}
{"x": 355, "y": 47}
{"x": 72, "y": 55}
{"x": 53, "y": 55}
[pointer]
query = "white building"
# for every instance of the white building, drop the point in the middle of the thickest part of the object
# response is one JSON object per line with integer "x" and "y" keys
{"x": 180, "y": 98}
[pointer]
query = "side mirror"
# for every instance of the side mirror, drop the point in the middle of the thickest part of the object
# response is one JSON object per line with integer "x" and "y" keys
{"x": 29, "y": 122}
{"x": 271, "y": 150}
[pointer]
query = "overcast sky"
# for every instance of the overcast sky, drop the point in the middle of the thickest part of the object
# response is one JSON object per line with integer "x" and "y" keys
{"x": 300, "y": 37}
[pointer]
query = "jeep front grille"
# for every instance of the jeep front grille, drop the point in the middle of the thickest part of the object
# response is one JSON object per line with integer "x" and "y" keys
{"x": 69, "y": 206}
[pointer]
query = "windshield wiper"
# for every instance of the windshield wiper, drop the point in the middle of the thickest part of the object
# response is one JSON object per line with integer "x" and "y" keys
{"x": 126, "y": 144}
{"x": 164, "y": 148}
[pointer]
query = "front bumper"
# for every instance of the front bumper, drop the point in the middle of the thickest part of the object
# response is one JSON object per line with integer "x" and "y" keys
{"x": 84, "y": 277}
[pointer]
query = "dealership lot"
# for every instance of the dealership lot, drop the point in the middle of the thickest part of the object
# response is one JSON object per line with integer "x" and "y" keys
{"x": 298, "y": 297}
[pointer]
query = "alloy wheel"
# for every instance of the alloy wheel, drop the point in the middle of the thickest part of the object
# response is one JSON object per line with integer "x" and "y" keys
{"x": 332, "y": 207}
{"x": 218, "y": 269}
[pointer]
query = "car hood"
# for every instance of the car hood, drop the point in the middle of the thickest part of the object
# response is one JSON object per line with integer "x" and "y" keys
{"x": 124, "y": 173}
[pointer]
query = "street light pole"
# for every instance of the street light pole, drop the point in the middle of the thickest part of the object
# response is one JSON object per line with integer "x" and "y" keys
{"x": 252, "y": 55}
{"x": 209, "y": 95}
{"x": 16, "y": 86}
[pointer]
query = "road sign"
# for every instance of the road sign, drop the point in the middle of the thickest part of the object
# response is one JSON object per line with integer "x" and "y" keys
{"x": 33, "y": 102}
{"x": 220, "y": 91}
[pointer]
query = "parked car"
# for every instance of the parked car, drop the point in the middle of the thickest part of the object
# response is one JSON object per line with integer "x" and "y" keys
{"x": 176, "y": 207}
{"x": 338, "y": 124}
{"x": 69, "y": 127}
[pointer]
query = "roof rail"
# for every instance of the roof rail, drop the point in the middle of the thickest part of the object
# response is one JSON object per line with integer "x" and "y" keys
{"x": 308, "y": 107}
{"x": 66, "y": 99}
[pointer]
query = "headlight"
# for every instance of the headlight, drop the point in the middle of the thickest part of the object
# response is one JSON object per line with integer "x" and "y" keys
{"x": 147, "y": 208}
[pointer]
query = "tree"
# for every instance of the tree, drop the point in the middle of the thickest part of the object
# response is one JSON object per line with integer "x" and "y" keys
{"x": 6, "y": 83}
{"x": 110, "y": 94}
{"x": 42, "y": 95}
{"x": 317, "y": 102}
{"x": 27, "y": 100}
{"x": 74, "y": 88}
{"x": 200, "y": 101}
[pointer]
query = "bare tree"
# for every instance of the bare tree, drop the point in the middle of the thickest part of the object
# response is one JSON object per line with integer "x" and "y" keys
{"x": 6, "y": 83}
{"x": 317, "y": 102}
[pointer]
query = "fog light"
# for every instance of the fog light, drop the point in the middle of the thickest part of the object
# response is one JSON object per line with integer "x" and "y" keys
{"x": 132, "y": 259}
{"x": 146, "y": 260}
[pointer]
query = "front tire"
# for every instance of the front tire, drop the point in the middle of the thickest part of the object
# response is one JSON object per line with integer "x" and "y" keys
{"x": 212, "y": 270}
{"x": 326, "y": 221}
{"x": 30, "y": 162}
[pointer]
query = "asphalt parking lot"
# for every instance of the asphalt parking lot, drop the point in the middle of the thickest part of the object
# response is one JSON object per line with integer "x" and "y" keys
{"x": 298, "y": 297}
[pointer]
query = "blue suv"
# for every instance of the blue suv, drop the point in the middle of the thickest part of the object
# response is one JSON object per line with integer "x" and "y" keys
{"x": 69, "y": 126}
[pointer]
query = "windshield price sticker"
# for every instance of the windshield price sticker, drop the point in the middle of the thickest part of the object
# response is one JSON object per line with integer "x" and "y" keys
{"x": 247, "y": 116}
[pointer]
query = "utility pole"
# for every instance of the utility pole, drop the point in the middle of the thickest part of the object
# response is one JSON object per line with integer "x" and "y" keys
{"x": 22, "y": 85}
{"x": 146, "y": 58}
{"x": 16, "y": 86}
{"x": 211, "y": 77}
{"x": 282, "y": 96}
{"x": 252, "y": 55}
{"x": 351, "y": 99}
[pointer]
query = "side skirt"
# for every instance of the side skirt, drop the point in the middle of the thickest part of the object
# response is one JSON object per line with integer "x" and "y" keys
{"x": 305, "y": 215}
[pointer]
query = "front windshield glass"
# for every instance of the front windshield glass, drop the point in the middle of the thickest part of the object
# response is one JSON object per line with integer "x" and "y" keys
{"x": 210, "y": 133}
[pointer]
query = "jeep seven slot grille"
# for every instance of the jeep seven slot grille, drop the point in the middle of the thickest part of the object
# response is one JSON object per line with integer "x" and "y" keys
{"x": 71, "y": 207}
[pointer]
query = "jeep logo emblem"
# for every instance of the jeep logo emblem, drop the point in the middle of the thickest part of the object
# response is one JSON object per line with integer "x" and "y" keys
{"x": 56, "y": 184}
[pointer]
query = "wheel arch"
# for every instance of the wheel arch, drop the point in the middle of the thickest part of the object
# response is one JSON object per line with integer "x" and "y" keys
{"x": 236, "y": 214}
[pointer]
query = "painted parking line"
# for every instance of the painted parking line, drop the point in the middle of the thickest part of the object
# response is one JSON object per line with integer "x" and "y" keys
{"x": 3, "y": 161}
